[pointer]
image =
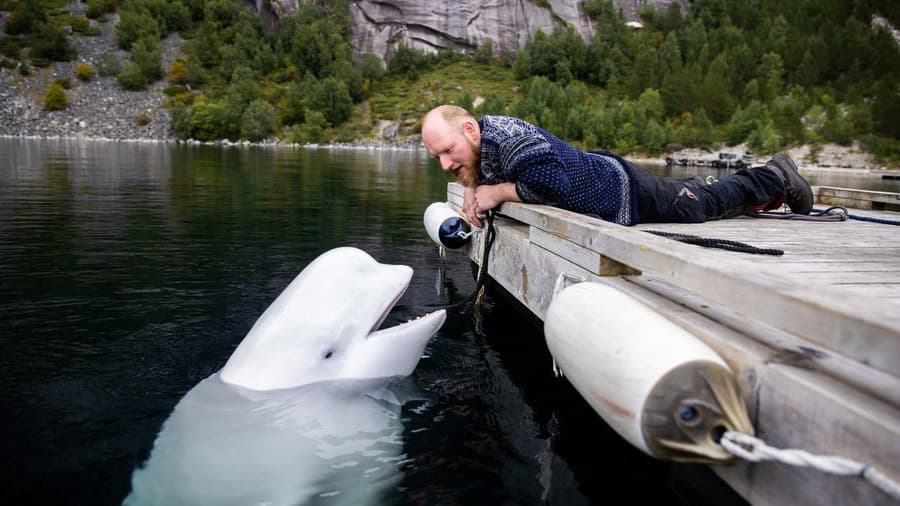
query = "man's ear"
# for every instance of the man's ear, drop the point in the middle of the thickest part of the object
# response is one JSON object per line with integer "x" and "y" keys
{"x": 472, "y": 131}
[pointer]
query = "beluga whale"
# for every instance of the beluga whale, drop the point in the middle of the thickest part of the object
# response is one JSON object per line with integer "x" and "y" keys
{"x": 307, "y": 407}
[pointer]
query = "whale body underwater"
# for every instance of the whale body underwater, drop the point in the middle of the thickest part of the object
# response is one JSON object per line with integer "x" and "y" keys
{"x": 307, "y": 408}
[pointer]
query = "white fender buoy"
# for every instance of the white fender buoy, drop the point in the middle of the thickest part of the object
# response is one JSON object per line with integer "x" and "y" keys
{"x": 445, "y": 226}
{"x": 654, "y": 383}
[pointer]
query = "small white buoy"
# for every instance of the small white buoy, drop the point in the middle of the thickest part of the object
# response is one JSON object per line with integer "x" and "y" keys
{"x": 654, "y": 383}
{"x": 445, "y": 226}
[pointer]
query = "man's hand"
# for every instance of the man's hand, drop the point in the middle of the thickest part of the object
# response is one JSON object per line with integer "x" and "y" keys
{"x": 483, "y": 198}
{"x": 469, "y": 206}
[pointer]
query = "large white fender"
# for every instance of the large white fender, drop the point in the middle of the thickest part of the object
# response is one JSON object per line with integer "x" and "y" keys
{"x": 653, "y": 382}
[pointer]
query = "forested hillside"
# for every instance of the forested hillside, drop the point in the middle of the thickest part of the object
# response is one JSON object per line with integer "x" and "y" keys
{"x": 771, "y": 74}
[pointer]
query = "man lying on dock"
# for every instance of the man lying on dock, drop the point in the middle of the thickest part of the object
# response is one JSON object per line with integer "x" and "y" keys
{"x": 504, "y": 159}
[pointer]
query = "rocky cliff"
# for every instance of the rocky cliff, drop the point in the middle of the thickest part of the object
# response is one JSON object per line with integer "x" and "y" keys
{"x": 464, "y": 25}
{"x": 459, "y": 24}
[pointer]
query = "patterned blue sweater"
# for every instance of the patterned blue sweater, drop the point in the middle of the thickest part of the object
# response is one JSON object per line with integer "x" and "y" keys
{"x": 548, "y": 171}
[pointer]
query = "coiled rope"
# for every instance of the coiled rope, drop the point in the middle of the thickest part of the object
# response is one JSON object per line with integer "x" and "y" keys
{"x": 708, "y": 242}
{"x": 754, "y": 449}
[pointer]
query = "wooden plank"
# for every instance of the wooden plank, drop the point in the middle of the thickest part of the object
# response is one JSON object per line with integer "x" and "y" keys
{"x": 858, "y": 199}
{"x": 829, "y": 265}
{"x": 865, "y": 331}
{"x": 585, "y": 258}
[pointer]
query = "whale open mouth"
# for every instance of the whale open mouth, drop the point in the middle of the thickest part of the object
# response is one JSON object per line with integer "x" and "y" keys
{"x": 419, "y": 320}
{"x": 387, "y": 310}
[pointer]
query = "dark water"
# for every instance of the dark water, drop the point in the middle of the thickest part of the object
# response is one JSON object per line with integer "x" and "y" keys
{"x": 129, "y": 273}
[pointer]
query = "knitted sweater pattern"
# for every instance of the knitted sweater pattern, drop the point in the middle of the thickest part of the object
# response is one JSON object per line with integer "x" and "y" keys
{"x": 548, "y": 171}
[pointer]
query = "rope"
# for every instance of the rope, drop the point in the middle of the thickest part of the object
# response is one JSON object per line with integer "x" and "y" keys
{"x": 833, "y": 213}
{"x": 873, "y": 219}
{"x": 478, "y": 294}
{"x": 725, "y": 244}
{"x": 756, "y": 450}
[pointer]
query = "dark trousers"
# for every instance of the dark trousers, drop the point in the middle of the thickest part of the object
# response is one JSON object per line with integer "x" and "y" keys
{"x": 662, "y": 199}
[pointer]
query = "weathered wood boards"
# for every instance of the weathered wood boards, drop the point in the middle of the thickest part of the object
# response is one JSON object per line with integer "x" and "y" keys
{"x": 817, "y": 355}
{"x": 856, "y": 199}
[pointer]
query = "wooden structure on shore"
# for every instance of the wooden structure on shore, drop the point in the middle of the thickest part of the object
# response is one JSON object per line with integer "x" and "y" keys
{"x": 813, "y": 336}
{"x": 723, "y": 160}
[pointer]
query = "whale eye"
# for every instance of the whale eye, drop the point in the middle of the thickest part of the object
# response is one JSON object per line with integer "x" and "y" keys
{"x": 328, "y": 354}
{"x": 689, "y": 415}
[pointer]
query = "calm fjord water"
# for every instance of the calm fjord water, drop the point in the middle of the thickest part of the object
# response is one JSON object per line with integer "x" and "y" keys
{"x": 129, "y": 272}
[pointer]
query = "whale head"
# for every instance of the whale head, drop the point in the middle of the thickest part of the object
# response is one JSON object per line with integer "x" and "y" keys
{"x": 325, "y": 326}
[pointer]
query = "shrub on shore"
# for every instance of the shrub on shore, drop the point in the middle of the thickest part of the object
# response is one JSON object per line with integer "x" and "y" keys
{"x": 55, "y": 99}
{"x": 84, "y": 71}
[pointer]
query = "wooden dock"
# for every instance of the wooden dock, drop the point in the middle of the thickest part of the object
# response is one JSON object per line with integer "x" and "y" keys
{"x": 813, "y": 336}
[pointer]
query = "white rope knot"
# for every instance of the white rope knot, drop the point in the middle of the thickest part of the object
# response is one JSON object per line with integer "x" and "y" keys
{"x": 754, "y": 449}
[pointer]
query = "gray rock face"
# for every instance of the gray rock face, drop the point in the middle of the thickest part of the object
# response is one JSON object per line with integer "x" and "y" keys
{"x": 459, "y": 24}
{"x": 463, "y": 25}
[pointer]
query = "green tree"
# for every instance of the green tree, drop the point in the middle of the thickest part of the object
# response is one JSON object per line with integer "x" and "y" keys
{"x": 772, "y": 71}
{"x": 485, "y": 52}
{"x": 209, "y": 121}
{"x": 653, "y": 137}
{"x": 670, "y": 54}
{"x": 293, "y": 104}
{"x": 205, "y": 47}
{"x": 243, "y": 89}
{"x": 406, "y": 61}
{"x": 814, "y": 63}
{"x": 886, "y": 108}
{"x": 131, "y": 78}
{"x": 313, "y": 129}
{"x": 180, "y": 121}
{"x": 561, "y": 56}
{"x": 50, "y": 41}
{"x": 787, "y": 116}
{"x": 693, "y": 129}
{"x": 134, "y": 25}
{"x": 745, "y": 121}
{"x": 371, "y": 66}
{"x": 763, "y": 139}
{"x": 716, "y": 97}
{"x": 645, "y": 73}
{"x": 626, "y": 138}
{"x": 145, "y": 53}
{"x": 258, "y": 121}
{"x": 24, "y": 18}
{"x": 600, "y": 130}
{"x": 651, "y": 106}
{"x": 332, "y": 98}
{"x": 493, "y": 105}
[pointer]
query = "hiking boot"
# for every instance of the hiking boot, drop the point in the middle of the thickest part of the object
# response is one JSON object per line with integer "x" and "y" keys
{"x": 798, "y": 194}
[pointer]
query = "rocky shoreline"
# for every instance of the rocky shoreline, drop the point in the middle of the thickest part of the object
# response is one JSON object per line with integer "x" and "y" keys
{"x": 98, "y": 108}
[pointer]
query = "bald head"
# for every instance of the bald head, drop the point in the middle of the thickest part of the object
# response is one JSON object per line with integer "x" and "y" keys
{"x": 452, "y": 115}
{"x": 452, "y": 135}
